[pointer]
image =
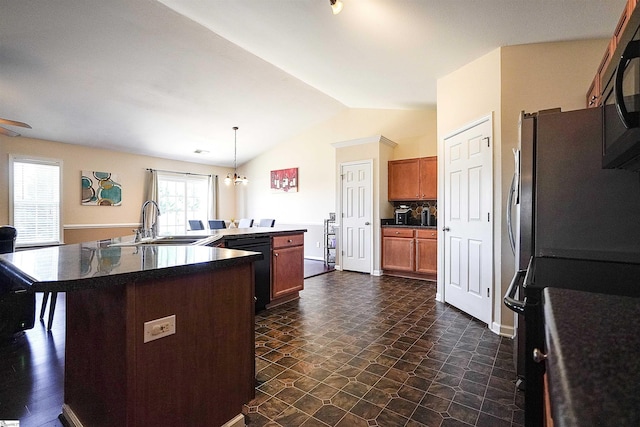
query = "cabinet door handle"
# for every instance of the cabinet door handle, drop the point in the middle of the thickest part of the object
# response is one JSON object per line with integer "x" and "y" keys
{"x": 276, "y": 254}
{"x": 289, "y": 240}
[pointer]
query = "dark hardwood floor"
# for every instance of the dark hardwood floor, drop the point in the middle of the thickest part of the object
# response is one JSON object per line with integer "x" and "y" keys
{"x": 31, "y": 372}
{"x": 314, "y": 267}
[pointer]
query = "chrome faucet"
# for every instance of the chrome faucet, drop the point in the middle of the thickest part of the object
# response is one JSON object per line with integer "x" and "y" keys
{"x": 146, "y": 230}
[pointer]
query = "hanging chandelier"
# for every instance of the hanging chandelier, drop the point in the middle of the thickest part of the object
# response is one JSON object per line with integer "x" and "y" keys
{"x": 235, "y": 179}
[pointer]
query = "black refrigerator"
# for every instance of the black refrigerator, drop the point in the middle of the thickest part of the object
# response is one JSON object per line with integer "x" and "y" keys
{"x": 574, "y": 225}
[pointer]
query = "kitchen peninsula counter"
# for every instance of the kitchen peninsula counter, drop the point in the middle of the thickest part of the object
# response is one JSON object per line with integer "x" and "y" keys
{"x": 114, "y": 376}
{"x": 592, "y": 366}
{"x": 98, "y": 264}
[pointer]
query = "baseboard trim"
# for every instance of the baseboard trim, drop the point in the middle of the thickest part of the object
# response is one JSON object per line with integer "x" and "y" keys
{"x": 502, "y": 330}
{"x": 69, "y": 418}
{"x": 237, "y": 421}
{"x": 377, "y": 273}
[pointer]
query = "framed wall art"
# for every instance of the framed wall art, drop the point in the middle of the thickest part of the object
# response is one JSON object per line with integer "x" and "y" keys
{"x": 100, "y": 189}
{"x": 284, "y": 180}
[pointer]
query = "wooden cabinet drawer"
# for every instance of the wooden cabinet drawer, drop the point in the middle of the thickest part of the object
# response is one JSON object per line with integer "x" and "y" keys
{"x": 427, "y": 234}
{"x": 397, "y": 232}
{"x": 288, "y": 240}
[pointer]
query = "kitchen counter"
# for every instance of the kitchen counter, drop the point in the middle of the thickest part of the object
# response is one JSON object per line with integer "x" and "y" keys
{"x": 125, "y": 365}
{"x": 426, "y": 227}
{"x": 593, "y": 366}
{"x": 96, "y": 264}
{"x": 100, "y": 263}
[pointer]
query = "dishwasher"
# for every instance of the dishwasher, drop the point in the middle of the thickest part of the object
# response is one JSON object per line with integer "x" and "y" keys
{"x": 262, "y": 267}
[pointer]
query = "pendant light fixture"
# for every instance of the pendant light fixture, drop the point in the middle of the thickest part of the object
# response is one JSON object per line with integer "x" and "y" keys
{"x": 235, "y": 179}
{"x": 336, "y": 6}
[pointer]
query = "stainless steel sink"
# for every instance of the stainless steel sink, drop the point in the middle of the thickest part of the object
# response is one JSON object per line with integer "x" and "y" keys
{"x": 167, "y": 240}
{"x": 174, "y": 240}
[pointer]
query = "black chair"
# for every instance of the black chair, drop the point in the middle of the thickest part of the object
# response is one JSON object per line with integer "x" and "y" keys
{"x": 17, "y": 303}
{"x": 267, "y": 222}
{"x": 196, "y": 224}
{"x": 217, "y": 224}
{"x": 245, "y": 223}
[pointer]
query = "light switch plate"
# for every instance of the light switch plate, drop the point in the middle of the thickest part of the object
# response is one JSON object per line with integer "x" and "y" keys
{"x": 159, "y": 328}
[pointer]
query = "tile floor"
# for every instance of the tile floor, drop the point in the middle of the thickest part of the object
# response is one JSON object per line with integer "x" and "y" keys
{"x": 358, "y": 350}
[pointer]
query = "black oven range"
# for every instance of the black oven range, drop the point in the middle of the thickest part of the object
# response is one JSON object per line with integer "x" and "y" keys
{"x": 577, "y": 226}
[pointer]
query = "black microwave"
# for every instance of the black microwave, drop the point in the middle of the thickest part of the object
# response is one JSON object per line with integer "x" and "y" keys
{"x": 621, "y": 109}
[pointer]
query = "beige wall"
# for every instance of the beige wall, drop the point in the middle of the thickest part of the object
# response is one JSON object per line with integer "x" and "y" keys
{"x": 311, "y": 152}
{"x": 84, "y": 223}
{"x": 503, "y": 83}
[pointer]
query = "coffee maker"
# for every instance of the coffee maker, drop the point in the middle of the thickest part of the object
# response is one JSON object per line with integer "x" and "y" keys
{"x": 403, "y": 215}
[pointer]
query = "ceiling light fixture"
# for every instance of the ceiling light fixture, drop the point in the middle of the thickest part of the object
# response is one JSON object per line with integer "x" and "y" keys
{"x": 336, "y": 6}
{"x": 236, "y": 179}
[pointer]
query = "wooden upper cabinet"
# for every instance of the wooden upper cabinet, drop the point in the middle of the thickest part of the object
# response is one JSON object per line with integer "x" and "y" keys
{"x": 403, "y": 179}
{"x": 413, "y": 179}
{"x": 594, "y": 93}
{"x": 429, "y": 178}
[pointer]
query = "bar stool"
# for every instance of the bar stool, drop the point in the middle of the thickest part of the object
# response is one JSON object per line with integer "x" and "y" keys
{"x": 52, "y": 307}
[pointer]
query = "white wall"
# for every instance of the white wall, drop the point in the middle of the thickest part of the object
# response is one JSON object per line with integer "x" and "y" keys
{"x": 311, "y": 152}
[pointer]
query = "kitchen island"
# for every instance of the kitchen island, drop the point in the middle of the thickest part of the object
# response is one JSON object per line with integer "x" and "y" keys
{"x": 156, "y": 334}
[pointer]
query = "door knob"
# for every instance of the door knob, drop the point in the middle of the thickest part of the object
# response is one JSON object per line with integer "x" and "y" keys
{"x": 367, "y": 223}
{"x": 445, "y": 228}
{"x": 538, "y": 355}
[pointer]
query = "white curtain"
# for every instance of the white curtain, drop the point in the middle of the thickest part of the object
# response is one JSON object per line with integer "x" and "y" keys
{"x": 152, "y": 194}
{"x": 213, "y": 197}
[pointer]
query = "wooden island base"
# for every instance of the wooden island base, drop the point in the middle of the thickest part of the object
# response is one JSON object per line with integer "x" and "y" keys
{"x": 199, "y": 376}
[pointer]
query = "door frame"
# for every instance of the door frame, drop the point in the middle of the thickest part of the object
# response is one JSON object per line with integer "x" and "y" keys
{"x": 495, "y": 244}
{"x": 368, "y": 162}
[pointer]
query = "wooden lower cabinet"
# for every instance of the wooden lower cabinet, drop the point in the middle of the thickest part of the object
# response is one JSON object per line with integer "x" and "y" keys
{"x": 398, "y": 249}
{"x": 287, "y": 268}
{"x": 409, "y": 252}
{"x": 427, "y": 251}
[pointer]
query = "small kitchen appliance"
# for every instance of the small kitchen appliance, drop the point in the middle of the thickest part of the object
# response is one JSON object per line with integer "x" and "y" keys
{"x": 426, "y": 219}
{"x": 403, "y": 215}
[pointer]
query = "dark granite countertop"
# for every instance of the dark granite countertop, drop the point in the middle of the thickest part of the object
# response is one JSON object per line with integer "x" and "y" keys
{"x": 593, "y": 365}
{"x": 431, "y": 227}
{"x": 234, "y": 233}
{"x": 97, "y": 264}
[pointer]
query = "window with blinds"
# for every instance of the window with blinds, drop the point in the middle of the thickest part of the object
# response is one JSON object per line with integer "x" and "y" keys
{"x": 35, "y": 200}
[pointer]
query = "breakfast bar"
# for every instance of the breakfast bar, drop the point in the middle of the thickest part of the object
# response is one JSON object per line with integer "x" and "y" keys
{"x": 156, "y": 334}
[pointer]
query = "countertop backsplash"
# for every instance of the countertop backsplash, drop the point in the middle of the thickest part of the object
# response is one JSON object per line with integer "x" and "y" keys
{"x": 417, "y": 208}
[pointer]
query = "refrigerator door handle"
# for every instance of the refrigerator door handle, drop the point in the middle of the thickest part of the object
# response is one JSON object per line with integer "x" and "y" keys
{"x": 513, "y": 190}
{"x": 512, "y": 240}
{"x": 509, "y": 298}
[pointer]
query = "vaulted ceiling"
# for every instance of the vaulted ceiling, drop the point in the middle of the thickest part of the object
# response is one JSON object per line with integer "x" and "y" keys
{"x": 169, "y": 77}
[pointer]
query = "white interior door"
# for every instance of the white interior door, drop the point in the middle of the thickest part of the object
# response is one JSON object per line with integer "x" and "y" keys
{"x": 468, "y": 219}
{"x": 356, "y": 216}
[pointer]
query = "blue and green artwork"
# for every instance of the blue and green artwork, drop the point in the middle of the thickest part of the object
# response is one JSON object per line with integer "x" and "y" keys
{"x": 101, "y": 189}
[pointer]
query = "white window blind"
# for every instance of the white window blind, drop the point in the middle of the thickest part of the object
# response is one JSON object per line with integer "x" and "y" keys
{"x": 35, "y": 200}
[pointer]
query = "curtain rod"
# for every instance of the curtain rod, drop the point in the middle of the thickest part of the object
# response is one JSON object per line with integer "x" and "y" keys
{"x": 180, "y": 173}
